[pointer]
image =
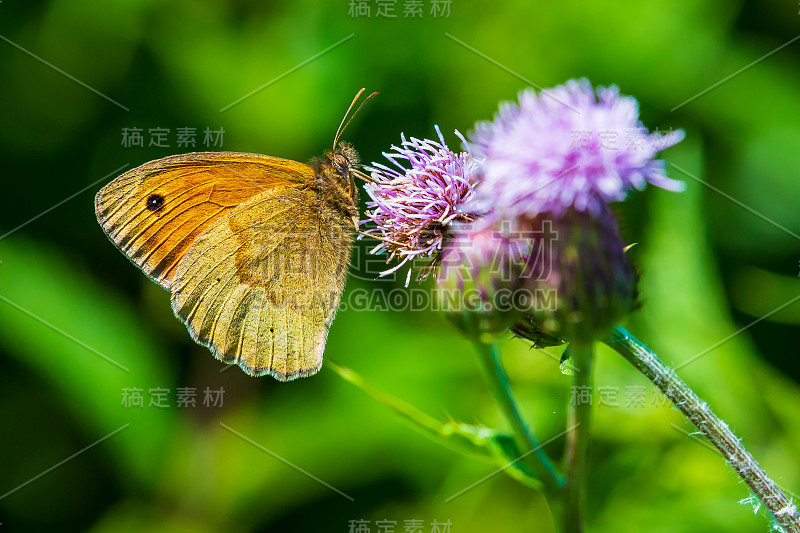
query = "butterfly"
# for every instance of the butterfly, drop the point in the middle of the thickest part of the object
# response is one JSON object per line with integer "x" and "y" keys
{"x": 254, "y": 249}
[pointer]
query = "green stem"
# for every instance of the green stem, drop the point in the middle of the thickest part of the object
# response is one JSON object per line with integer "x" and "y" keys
{"x": 720, "y": 435}
{"x": 577, "y": 456}
{"x": 527, "y": 442}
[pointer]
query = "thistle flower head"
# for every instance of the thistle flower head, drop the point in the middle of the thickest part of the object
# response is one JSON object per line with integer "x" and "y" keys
{"x": 568, "y": 147}
{"x": 535, "y": 247}
{"x": 414, "y": 201}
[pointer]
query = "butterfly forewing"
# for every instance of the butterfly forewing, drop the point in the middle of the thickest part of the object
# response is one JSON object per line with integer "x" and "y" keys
{"x": 260, "y": 287}
{"x": 155, "y": 212}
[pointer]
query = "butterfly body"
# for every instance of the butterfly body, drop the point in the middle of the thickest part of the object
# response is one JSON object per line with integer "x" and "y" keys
{"x": 253, "y": 248}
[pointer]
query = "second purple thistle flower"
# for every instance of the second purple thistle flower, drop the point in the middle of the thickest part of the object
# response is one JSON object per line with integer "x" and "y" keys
{"x": 568, "y": 147}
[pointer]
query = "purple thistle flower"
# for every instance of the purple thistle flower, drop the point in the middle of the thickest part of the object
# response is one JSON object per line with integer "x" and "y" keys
{"x": 568, "y": 147}
{"x": 414, "y": 203}
{"x": 538, "y": 227}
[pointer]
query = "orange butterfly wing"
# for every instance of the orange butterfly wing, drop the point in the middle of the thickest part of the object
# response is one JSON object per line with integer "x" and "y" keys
{"x": 261, "y": 286}
{"x": 155, "y": 212}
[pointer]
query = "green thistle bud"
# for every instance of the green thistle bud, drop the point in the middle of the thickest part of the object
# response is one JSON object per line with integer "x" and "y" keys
{"x": 583, "y": 260}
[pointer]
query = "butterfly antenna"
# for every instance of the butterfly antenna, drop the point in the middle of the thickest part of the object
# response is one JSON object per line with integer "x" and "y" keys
{"x": 343, "y": 125}
{"x": 363, "y": 176}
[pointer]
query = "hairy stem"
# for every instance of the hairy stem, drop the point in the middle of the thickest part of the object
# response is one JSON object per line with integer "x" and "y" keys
{"x": 527, "y": 442}
{"x": 577, "y": 456}
{"x": 720, "y": 435}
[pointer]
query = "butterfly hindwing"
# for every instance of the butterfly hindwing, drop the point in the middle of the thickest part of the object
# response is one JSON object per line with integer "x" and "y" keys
{"x": 260, "y": 287}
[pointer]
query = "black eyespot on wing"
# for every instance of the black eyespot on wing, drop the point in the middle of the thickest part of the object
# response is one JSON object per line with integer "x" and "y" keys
{"x": 155, "y": 202}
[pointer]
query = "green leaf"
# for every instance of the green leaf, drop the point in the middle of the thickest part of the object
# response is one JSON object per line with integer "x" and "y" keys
{"x": 476, "y": 441}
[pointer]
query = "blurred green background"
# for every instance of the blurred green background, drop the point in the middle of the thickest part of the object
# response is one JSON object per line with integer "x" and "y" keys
{"x": 69, "y": 300}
